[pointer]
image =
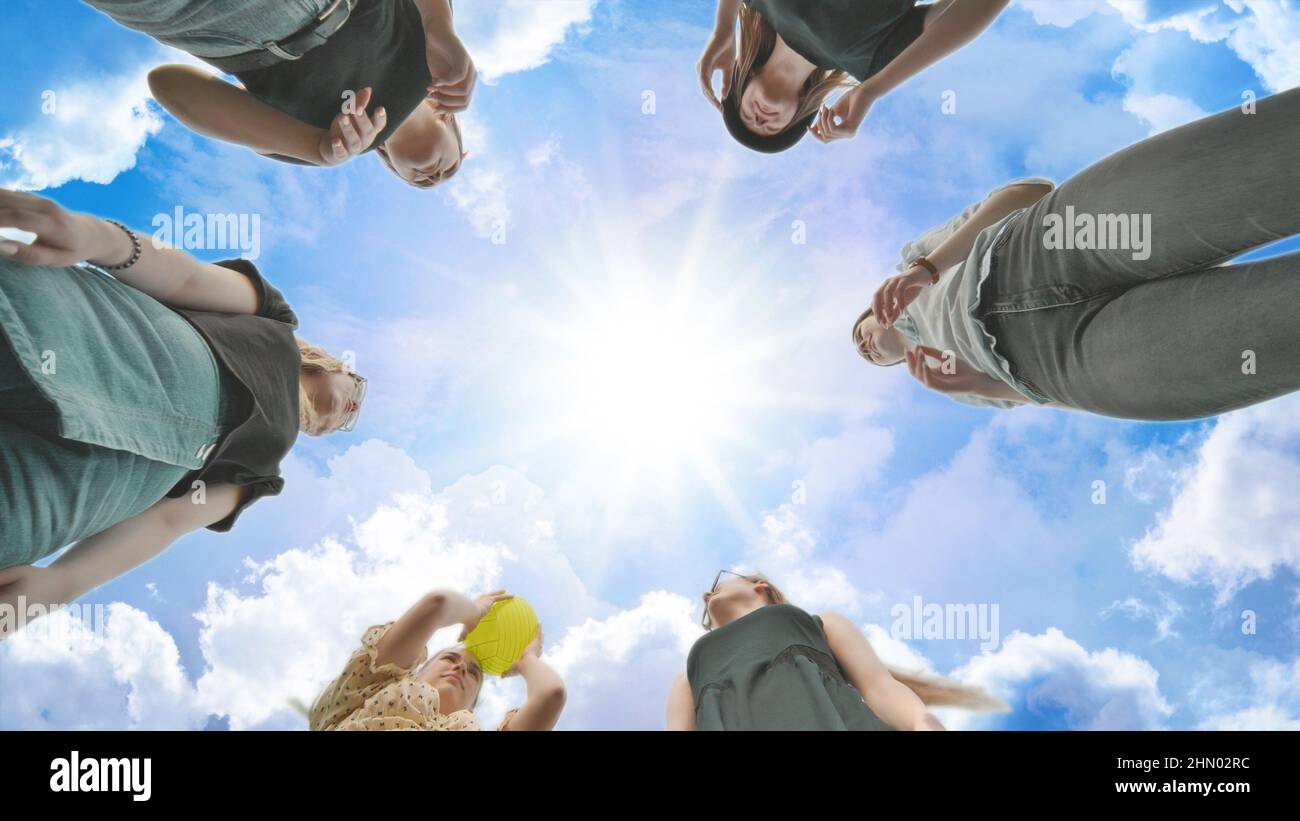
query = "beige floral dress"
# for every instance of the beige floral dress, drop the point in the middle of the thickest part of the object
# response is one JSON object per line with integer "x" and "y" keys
{"x": 368, "y": 696}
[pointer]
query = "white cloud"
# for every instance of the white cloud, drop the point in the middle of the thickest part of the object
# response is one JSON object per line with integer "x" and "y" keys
{"x": 1162, "y": 111}
{"x": 1063, "y": 13}
{"x": 91, "y": 132}
{"x": 1052, "y": 674}
{"x": 68, "y": 674}
{"x": 1235, "y": 517}
{"x": 481, "y": 193}
{"x": 618, "y": 670}
{"x": 1263, "y": 33}
{"x": 1273, "y": 700}
{"x": 517, "y": 35}
{"x": 1162, "y": 616}
{"x": 786, "y": 554}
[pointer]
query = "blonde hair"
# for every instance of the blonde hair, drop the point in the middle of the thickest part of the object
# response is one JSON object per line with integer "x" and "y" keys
{"x": 314, "y": 360}
{"x": 933, "y": 691}
{"x": 757, "y": 39}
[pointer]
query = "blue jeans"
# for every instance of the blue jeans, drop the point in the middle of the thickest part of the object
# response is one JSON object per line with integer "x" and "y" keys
{"x": 1176, "y": 334}
{"x": 214, "y": 28}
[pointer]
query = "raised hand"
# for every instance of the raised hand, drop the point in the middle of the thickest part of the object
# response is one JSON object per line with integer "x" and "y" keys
{"x": 352, "y": 132}
{"x": 719, "y": 55}
{"x": 841, "y": 120}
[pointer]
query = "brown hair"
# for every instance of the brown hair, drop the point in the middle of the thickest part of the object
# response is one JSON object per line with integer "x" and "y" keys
{"x": 314, "y": 360}
{"x": 932, "y": 690}
{"x": 757, "y": 39}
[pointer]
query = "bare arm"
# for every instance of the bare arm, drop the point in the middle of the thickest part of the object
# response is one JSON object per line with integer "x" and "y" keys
{"x": 126, "y": 545}
{"x": 214, "y": 108}
{"x": 546, "y": 695}
{"x": 681, "y": 705}
{"x": 949, "y": 25}
{"x": 405, "y": 640}
{"x": 108, "y": 554}
{"x": 728, "y": 11}
{"x": 890, "y": 699}
{"x": 171, "y": 276}
{"x": 897, "y": 292}
{"x": 996, "y": 207}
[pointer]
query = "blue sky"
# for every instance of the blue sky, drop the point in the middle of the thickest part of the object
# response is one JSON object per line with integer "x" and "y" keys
{"x": 503, "y": 443}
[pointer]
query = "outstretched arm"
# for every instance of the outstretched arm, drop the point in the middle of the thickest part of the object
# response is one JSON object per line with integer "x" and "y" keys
{"x": 897, "y": 292}
{"x": 890, "y": 699}
{"x": 681, "y": 705}
{"x": 546, "y": 696}
{"x": 948, "y": 26}
{"x": 168, "y": 275}
{"x": 214, "y": 108}
{"x": 451, "y": 70}
{"x": 405, "y": 640}
{"x": 108, "y": 554}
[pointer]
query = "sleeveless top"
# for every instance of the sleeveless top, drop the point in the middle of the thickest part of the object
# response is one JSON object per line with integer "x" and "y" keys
{"x": 381, "y": 46}
{"x": 772, "y": 669}
{"x": 855, "y": 36}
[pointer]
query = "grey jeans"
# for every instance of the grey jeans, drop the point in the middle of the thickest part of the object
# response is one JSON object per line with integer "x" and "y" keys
{"x": 1177, "y": 335}
{"x": 214, "y": 28}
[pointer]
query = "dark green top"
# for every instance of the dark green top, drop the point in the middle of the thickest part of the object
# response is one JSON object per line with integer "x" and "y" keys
{"x": 773, "y": 670}
{"x": 858, "y": 36}
{"x": 381, "y": 45}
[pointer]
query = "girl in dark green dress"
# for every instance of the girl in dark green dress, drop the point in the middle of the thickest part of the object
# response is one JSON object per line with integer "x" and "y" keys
{"x": 792, "y": 54}
{"x": 768, "y": 665}
{"x": 137, "y": 407}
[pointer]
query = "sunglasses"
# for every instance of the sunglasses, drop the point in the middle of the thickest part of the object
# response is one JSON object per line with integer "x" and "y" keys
{"x": 350, "y": 422}
{"x": 704, "y": 620}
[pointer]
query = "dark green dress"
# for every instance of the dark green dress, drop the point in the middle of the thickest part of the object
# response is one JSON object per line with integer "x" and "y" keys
{"x": 773, "y": 670}
{"x": 856, "y": 36}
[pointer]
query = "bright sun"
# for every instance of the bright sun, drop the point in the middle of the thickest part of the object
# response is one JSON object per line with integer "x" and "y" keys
{"x": 648, "y": 382}
{"x": 651, "y": 387}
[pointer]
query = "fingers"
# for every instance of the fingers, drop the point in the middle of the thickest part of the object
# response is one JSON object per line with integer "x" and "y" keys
{"x": 25, "y": 216}
{"x": 878, "y": 305}
{"x": 34, "y": 254}
{"x": 706, "y": 86}
{"x": 726, "y": 80}
{"x": 892, "y": 305}
{"x": 348, "y": 132}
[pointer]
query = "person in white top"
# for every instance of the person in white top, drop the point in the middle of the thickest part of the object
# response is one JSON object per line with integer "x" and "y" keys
{"x": 1110, "y": 294}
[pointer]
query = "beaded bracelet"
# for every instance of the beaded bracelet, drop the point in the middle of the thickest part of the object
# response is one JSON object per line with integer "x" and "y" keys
{"x": 135, "y": 245}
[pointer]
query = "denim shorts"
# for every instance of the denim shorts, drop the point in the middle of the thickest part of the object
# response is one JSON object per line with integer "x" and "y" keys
{"x": 214, "y": 28}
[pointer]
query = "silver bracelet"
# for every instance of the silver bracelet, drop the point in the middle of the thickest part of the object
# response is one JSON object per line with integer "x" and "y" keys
{"x": 135, "y": 245}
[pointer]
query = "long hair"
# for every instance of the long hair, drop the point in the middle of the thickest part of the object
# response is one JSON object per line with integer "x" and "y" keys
{"x": 933, "y": 691}
{"x": 757, "y": 39}
{"x": 314, "y": 360}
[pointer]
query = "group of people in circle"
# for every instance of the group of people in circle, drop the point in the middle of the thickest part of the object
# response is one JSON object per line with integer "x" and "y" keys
{"x": 175, "y": 374}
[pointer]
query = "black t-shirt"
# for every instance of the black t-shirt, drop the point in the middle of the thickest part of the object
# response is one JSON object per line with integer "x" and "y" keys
{"x": 858, "y": 36}
{"x": 259, "y": 357}
{"x": 381, "y": 46}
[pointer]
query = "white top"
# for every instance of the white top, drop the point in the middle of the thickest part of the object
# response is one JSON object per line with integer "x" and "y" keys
{"x": 943, "y": 315}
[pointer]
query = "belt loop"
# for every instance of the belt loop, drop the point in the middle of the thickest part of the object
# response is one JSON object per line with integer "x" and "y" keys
{"x": 275, "y": 49}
